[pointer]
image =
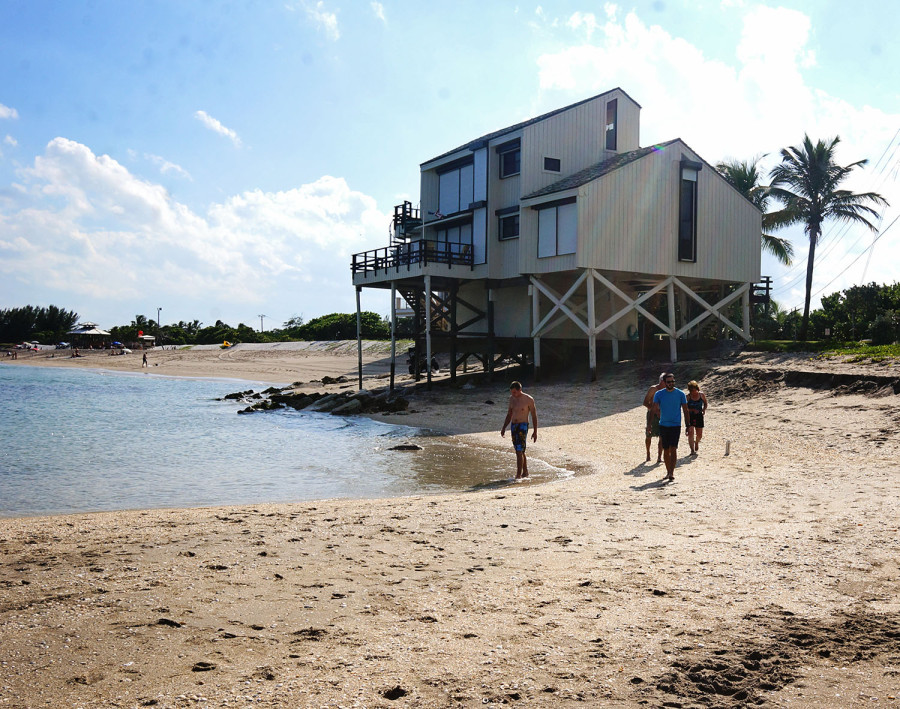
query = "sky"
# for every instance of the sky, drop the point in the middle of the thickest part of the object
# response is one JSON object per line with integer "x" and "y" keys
{"x": 224, "y": 160}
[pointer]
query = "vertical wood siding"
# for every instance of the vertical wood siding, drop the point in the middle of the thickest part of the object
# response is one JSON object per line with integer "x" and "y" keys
{"x": 629, "y": 222}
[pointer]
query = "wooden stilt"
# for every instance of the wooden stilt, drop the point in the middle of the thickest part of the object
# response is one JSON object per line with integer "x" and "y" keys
{"x": 673, "y": 348}
{"x": 359, "y": 334}
{"x": 428, "y": 330}
{"x": 592, "y": 333}
{"x": 393, "y": 333}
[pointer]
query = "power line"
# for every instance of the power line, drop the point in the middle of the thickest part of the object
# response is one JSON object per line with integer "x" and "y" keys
{"x": 859, "y": 256}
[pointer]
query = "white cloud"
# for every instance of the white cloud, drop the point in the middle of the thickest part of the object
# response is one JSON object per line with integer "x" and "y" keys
{"x": 378, "y": 9}
{"x": 217, "y": 127}
{"x": 758, "y": 103}
{"x": 9, "y": 140}
{"x": 7, "y": 112}
{"x": 82, "y": 224}
{"x": 166, "y": 167}
{"x": 325, "y": 20}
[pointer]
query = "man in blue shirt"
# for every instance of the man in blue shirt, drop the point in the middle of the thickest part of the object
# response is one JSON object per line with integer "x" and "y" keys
{"x": 669, "y": 404}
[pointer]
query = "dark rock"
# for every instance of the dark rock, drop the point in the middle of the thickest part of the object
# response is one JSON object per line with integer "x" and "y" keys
{"x": 294, "y": 401}
{"x": 406, "y": 447}
{"x": 238, "y": 394}
{"x": 354, "y": 406}
{"x": 328, "y": 402}
{"x": 394, "y": 693}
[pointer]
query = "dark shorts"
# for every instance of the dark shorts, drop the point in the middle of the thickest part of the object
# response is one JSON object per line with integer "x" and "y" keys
{"x": 519, "y": 434}
{"x": 696, "y": 419}
{"x": 669, "y": 435}
{"x": 652, "y": 425}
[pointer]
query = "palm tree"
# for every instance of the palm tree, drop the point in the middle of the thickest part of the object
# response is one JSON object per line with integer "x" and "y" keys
{"x": 806, "y": 183}
{"x": 744, "y": 176}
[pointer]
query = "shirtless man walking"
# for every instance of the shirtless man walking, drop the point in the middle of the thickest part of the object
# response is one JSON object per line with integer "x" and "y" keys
{"x": 521, "y": 405}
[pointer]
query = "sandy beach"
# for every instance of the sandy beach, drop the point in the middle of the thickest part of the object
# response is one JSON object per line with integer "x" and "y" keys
{"x": 765, "y": 577}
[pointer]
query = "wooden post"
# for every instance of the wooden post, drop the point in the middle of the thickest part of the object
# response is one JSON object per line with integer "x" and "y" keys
{"x": 453, "y": 331}
{"x": 393, "y": 332}
{"x": 615, "y": 349}
{"x": 592, "y": 322}
{"x": 535, "y": 319}
{"x": 490, "y": 330}
{"x": 745, "y": 302}
{"x": 673, "y": 348}
{"x": 428, "y": 330}
{"x": 359, "y": 334}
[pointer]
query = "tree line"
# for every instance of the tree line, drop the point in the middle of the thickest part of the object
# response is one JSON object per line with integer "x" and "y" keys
{"x": 868, "y": 312}
{"x": 52, "y": 324}
{"x": 335, "y": 326}
{"x": 44, "y": 325}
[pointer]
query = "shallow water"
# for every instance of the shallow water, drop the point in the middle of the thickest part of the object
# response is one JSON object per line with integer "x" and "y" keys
{"x": 75, "y": 440}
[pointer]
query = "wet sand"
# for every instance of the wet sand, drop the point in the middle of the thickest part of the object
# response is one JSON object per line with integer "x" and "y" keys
{"x": 765, "y": 577}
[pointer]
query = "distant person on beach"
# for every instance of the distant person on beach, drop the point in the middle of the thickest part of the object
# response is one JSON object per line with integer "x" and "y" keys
{"x": 652, "y": 430}
{"x": 669, "y": 404}
{"x": 521, "y": 405}
{"x": 696, "y": 403}
{"x": 144, "y": 361}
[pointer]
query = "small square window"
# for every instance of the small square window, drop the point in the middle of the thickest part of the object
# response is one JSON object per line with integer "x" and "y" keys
{"x": 552, "y": 164}
{"x": 510, "y": 163}
{"x": 509, "y": 227}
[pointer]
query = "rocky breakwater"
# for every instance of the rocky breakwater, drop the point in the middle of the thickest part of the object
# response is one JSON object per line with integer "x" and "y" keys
{"x": 344, "y": 403}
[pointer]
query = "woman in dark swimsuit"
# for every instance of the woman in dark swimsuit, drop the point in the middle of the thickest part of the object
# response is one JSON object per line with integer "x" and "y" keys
{"x": 696, "y": 401}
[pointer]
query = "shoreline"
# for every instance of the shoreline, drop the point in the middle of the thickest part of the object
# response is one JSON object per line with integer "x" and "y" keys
{"x": 765, "y": 576}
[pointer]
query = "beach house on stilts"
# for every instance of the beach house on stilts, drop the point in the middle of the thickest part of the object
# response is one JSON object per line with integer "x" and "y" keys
{"x": 561, "y": 239}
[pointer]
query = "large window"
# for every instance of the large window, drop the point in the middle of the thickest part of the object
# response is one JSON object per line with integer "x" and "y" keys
{"x": 456, "y": 188}
{"x": 687, "y": 210}
{"x": 557, "y": 228}
{"x": 510, "y": 155}
{"x": 454, "y": 241}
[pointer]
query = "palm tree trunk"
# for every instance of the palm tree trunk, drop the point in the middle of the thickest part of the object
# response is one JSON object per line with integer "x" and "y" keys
{"x": 804, "y": 324}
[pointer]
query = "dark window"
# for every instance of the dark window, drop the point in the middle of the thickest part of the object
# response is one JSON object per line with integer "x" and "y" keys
{"x": 510, "y": 163}
{"x": 456, "y": 188}
{"x": 612, "y": 109}
{"x": 552, "y": 164}
{"x": 557, "y": 228}
{"x": 509, "y": 226}
{"x": 687, "y": 211}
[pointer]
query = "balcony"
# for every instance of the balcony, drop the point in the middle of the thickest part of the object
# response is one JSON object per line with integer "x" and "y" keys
{"x": 414, "y": 253}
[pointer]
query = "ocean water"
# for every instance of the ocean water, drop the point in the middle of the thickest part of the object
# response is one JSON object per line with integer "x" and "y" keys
{"x": 77, "y": 440}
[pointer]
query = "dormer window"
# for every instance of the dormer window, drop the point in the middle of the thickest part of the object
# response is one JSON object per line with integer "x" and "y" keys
{"x": 510, "y": 155}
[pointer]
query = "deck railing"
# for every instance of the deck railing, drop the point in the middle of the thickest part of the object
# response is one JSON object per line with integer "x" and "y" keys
{"x": 403, "y": 256}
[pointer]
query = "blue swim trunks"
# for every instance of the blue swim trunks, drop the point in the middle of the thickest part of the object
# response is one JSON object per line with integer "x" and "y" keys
{"x": 519, "y": 434}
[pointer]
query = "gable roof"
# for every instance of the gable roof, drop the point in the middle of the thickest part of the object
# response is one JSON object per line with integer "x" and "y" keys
{"x": 477, "y": 143}
{"x": 599, "y": 169}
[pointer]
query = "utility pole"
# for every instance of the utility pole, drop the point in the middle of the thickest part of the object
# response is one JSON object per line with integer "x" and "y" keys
{"x": 158, "y": 331}
{"x": 261, "y": 323}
